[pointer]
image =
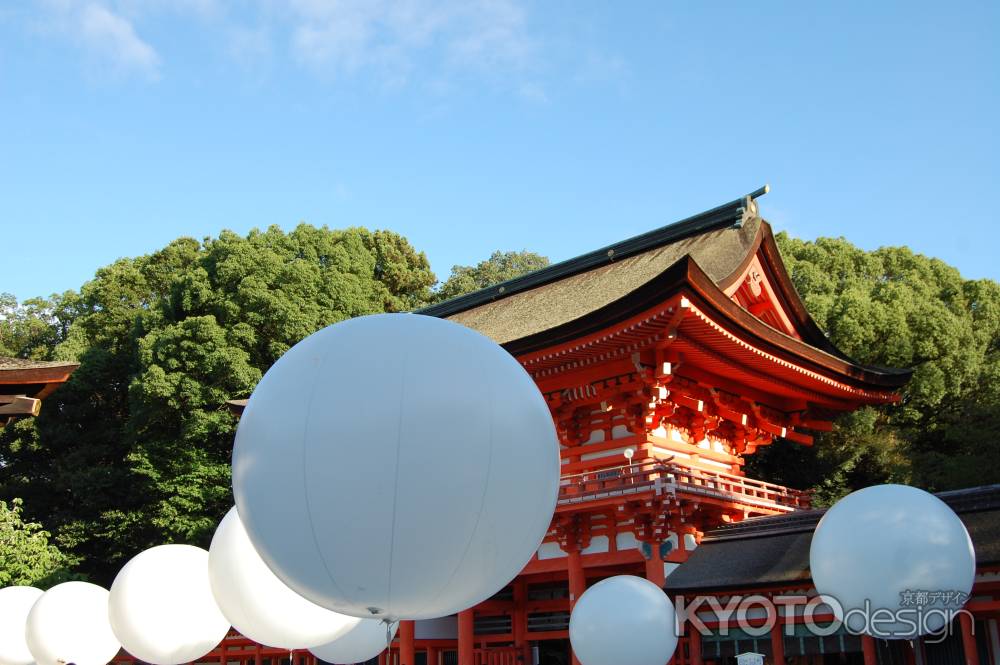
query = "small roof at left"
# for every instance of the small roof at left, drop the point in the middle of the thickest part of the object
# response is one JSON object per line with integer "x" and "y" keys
{"x": 24, "y": 383}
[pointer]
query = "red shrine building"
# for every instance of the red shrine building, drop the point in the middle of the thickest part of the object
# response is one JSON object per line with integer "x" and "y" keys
{"x": 666, "y": 359}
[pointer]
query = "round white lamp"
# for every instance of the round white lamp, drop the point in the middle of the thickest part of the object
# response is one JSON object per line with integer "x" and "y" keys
{"x": 396, "y": 466}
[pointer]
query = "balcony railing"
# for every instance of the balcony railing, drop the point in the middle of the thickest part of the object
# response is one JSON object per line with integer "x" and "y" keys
{"x": 669, "y": 478}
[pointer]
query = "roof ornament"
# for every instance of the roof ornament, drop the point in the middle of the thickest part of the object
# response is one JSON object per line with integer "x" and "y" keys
{"x": 749, "y": 208}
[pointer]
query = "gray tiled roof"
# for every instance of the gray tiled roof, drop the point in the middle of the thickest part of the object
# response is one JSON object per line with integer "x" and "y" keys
{"x": 767, "y": 551}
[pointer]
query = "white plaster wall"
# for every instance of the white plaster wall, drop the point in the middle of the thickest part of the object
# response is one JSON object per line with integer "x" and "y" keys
{"x": 620, "y": 432}
{"x": 550, "y": 551}
{"x": 619, "y": 452}
{"x": 625, "y": 540}
{"x": 598, "y": 544}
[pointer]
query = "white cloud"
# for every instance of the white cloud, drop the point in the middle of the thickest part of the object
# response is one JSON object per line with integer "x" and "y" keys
{"x": 345, "y": 36}
{"x": 389, "y": 42}
{"x": 114, "y": 38}
{"x": 103, "y": 34}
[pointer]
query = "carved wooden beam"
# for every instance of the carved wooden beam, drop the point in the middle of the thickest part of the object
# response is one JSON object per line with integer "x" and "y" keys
{"x": 19, "y": 405}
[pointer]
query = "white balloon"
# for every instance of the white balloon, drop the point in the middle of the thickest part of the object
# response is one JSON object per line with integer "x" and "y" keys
{"x": 877, "y": 543}
{"x": 623, "y": 620}
{"x": 396, "y": 466}
{"x": 15, "y": 603}
{"x": 161, "y": 606}
{"x": 257, "y": 603}
{"x": 69, "y": 623}
{"x": 358, "y": 645}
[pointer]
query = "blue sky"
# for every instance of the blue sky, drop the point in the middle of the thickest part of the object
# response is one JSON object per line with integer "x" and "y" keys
{"x": 476, "y": 125}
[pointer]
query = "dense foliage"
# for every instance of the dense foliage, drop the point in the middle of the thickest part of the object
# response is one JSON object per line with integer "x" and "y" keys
{"x": 500, "y": 267}
{"x": 894, "y": 308}
{"x": 26, "y": 556}
{"x": 134, "y": 450}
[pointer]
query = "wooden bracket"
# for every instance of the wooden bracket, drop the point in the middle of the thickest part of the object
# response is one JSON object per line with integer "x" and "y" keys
{"x": 21, "y": 406}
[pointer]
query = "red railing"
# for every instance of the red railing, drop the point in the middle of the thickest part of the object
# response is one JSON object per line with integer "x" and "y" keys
{"x": 613, "y": 482}
{"x": 745, "y": 490}
{"x": 669, "y": 478}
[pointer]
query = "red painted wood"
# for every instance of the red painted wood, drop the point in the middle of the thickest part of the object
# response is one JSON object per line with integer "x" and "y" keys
{"x": 869, "y": 649}
{"x": 466, "y": 638}
{"x": 969, "y": 648}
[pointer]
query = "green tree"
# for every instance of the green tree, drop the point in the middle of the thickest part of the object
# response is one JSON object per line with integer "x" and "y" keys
{"x": 500, "y": 267}
{"x": 135, "y": 449}
{"x": 894, "y": 308}
{"x": 26, "y": 555}
{"x": 34, "y": 328}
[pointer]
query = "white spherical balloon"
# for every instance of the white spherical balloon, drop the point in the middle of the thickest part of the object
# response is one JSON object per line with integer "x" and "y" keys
{"x": 396, "y": 466}
{"x": 162, "y": 608}
{"x": 257, "y": 603}
{"x": 878, "y": 543}
{"x": 69, "y": 623}
{"x": 358, "y": 645}
{"x": 15, "y": 603}
{"x": 623, "y": 620}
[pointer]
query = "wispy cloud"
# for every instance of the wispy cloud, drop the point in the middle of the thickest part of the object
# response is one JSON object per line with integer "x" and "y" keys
{"x": 250, "y": 48}
{"x": 103, "y": 34}
{"x": 394, "y": 37}
{"x": 114, "y": 38}
{"x": 389, "y": 42}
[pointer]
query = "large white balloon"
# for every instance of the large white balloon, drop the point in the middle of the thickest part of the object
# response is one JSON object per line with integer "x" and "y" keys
{"x": 358, "y": 645}
{"x": 161, "y": 606}
{"x": 877, "y": 544}
{"x": 623, "y": 620}
{"x": 15, "y": 603}
{"x": 257, "y": 603}
{"x": 69, "y": 624}
{"x": 396, "y": 466}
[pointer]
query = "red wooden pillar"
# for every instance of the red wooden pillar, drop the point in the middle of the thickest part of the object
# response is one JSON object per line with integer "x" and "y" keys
{"x": 778, "y": 641}
{"x": 577, "y": 584}
{"x": 383, "y": 658}
{"x": 869, "y": 649}
{"x": 519, "y": 619}
{"x": 466, "y": 638}
{"x": 654, "y": 567}
{"x": 407, "y": 651}
{"x": 969, "y": 639}
{"x": 432, "y": 655}
{"x": 694, "y": 646}
{"x": 256, "y": 655}
{"x": 577, "y": 580}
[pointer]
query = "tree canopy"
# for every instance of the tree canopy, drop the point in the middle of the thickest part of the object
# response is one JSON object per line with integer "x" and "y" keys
{"x": 135, "y": 449}
{"x": 26, "y": 556}
{"x": 894, "y": 308}
{"x": 500, "y": 267}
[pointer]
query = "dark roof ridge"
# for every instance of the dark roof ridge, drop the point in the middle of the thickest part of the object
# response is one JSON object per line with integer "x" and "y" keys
{"x": 727, "y": 215}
